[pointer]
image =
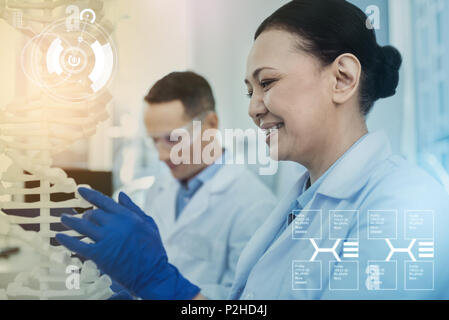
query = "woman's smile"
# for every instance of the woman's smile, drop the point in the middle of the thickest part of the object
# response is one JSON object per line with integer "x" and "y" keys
{"x": 271, "y": 129}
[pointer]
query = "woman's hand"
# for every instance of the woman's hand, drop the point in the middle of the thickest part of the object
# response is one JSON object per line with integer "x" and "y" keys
{"x": 127, "y": 246}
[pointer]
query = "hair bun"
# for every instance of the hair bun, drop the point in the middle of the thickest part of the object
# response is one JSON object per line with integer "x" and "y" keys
{"x": 390, "y": 61}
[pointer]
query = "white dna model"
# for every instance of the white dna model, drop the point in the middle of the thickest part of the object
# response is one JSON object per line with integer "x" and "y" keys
{"x": 70, "y": 105}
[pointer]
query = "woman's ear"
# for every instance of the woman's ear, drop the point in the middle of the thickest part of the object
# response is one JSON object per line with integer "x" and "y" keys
{"x": 346, "y": 71}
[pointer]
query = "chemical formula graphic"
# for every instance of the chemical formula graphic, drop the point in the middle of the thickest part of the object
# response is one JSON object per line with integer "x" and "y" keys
{"x": 335, "y": 243}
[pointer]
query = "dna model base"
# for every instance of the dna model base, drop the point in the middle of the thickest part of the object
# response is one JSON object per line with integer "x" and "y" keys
{"x": 41, "y": 271}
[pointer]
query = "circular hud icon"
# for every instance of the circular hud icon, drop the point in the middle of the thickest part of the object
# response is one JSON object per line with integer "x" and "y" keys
{"x": 71, "y": 63}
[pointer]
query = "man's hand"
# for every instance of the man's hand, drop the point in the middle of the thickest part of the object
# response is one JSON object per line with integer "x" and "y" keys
{"x": 127, "y": 246}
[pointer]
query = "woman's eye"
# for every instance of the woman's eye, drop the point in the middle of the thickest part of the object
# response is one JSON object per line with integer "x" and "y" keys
{"x": 249, "y": 94}
{"x": 264, "y": 84}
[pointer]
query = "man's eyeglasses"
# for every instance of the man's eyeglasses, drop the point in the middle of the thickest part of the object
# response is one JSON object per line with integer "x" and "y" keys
{"x": 164, "y": 139}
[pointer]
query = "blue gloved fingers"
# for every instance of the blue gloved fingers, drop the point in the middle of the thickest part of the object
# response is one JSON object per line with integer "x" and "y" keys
{"x": 87, "y": 214}
{"x": 100, "y": 200}
{"x": 82, "y": 226}
{"x": 116, "y": 287}
{"x": 122, "y": 295}
{"x": 97, "y": 216}
{"x": 74, "y": 245}
{"x": 71, "y": 212}
{"x": 126, "y": 201}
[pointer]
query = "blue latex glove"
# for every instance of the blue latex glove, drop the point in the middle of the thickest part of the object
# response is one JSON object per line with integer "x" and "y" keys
{"x": 122, "y": 295}
{"x": 116, "y": 287}
{"x": 127, "y": 246}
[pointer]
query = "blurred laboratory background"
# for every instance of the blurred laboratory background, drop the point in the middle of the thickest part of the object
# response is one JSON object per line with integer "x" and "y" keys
{"x": 213, "y": 38}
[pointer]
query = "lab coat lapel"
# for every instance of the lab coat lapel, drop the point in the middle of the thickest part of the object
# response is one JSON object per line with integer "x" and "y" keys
{"x": 287, "y": 234}
{"x": 352, "y": 173}
{"x": 197, "y": 206}
{"x": 202, "y": 201}
{"x": 165, "y": 205}
{"x": 262, "y": 241}
{"x": 346, "y": 179}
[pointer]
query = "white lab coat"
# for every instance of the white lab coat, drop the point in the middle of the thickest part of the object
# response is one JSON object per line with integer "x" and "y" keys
{"x": 212, "y": 230}
{"x": 368, "y": 178}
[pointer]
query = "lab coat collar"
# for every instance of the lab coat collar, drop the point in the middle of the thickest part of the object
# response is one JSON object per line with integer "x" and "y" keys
{"x": 167, "y": 181}
{"x": 201, "y": 201}
{"x": 226, "y": 175}
{"x": 208, "y": 172}
{"x": 349, "y": 175}
{"x": 220, "y": 180}
{"x": 264, "y": 239}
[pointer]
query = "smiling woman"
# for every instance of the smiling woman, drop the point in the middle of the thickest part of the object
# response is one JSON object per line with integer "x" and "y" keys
{"x": 314, "y": 73}
{"x": 323, "y": 73}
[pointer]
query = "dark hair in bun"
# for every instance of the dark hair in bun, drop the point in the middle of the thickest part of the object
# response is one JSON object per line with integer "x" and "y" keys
{"x": 330, "y": 28}
{"x": 388, "y": 73}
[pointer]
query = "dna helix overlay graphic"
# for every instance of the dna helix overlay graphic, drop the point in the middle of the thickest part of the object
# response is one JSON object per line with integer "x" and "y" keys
{"x": 69, "y": 60}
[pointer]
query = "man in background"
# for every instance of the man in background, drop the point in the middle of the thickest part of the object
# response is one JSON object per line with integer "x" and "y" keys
{"x": 206, "y": 211}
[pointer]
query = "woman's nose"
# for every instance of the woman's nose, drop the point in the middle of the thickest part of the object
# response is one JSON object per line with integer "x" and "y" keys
{"x": 257, "y": 109}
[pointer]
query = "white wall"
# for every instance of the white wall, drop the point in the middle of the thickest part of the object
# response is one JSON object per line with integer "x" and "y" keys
{"x": 400, "y": 20}
{"x": 387, "y": 114}
{"x": 153, "y": 38}
{"x": 223, "y": 34}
